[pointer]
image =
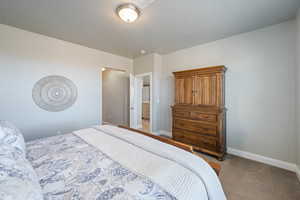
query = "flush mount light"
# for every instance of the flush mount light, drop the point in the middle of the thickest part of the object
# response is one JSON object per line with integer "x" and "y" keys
{"x": 128, "y": 12}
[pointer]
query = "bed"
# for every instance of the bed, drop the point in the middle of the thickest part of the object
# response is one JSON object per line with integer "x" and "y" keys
{"x": 108, "y": 162}
{"x": 102, "y": 163}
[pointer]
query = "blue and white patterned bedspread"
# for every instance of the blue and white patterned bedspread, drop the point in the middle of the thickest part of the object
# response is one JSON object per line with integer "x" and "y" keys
{"x": 70, "y": 168}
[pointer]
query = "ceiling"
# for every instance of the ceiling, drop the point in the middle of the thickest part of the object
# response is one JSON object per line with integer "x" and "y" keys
{"x": 165, "y": 25}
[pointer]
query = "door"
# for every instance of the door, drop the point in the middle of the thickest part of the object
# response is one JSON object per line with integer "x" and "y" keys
{"x": 179, "y": 92}
{"x": 184, "y": 90}
{"x": 189, "y": 89}
{"x": 139, "y": 101}
{"x": 205, "y": 90}
{"x": 136, "y": 90}
{"x": 133, "y": 109}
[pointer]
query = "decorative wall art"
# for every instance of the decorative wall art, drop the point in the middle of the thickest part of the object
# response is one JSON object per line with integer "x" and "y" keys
{"x": 54, "y": 93}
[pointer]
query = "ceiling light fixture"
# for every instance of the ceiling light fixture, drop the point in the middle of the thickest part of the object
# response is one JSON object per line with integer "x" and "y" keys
{"x": 128, "y": 12}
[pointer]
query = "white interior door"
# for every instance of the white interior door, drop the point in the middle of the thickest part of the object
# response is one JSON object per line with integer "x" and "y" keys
{"x": 139, "y": 101}
{"x": 133, "y": 121}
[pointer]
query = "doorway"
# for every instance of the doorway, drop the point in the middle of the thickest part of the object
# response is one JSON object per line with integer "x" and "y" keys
{"x": 141, "y": 102}
{"x": 115, "y": 96}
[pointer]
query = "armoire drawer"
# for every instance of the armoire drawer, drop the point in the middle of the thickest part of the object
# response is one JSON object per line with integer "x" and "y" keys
{"x": 182, "y": 113}
{"x": 196, "y": 115}
{"x": 195, "y": 139}
{"x": 186, "y": 138}
{"x": 195, "y": 126}
{"x": 202, "y": 116}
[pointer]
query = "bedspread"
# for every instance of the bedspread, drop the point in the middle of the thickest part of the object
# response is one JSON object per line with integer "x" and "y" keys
{"x": 107, "y": 162}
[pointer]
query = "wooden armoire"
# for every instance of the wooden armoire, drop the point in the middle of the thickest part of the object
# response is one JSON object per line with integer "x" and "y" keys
{"x": 199, "y": 112}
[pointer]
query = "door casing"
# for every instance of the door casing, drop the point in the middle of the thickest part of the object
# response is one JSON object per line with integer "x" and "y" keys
{"x": 136, "y": 84}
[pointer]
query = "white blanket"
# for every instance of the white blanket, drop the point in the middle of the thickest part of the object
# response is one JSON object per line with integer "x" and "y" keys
{"x": 182, "y": 174}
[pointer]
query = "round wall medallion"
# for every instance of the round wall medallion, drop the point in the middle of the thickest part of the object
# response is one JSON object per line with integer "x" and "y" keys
{"x": 54, "y": 93}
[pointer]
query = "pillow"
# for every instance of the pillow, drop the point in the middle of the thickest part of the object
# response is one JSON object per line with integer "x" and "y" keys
{"x": 18, "y": 180}
{"x": 11, "y": 135}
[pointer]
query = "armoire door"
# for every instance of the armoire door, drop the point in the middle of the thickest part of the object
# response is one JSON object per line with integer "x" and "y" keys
{"x": 205, "y": 89}
{"x": 184, "y": 90}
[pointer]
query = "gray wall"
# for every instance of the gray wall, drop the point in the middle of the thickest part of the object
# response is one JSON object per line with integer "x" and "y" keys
{"x": 26, "y": 57}
{"x": 115, "y": 99}
{"x": 143, "y": 64}
{"x": 260, "y": 88}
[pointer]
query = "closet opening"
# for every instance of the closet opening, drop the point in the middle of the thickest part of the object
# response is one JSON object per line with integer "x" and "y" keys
{"x": 115, "y": 96}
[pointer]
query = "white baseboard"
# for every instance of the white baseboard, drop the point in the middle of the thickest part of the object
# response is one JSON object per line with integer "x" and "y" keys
{"x": 251, "y": 156}
{"x": 166, "y": 133}
{"x": 156, "y": 133}
{"x": 263, "y": 159}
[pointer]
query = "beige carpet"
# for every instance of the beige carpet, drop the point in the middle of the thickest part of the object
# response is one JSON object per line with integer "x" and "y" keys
{"x": 145, "y": 125}
{"x": 244, "y": 179}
